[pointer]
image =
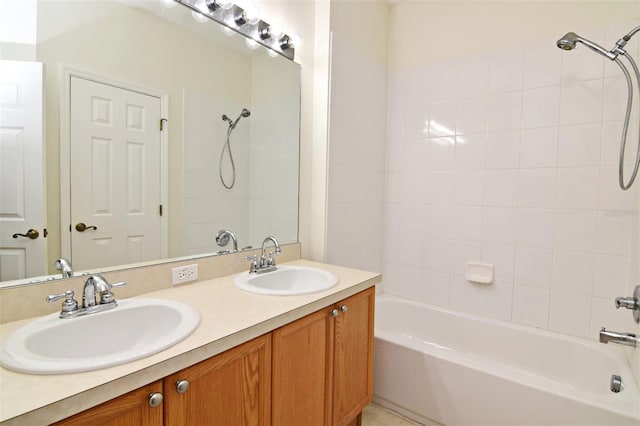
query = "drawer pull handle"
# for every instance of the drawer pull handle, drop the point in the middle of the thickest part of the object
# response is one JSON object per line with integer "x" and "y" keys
{"x": 182, "y": 386}
{"x": 155, "y": 399}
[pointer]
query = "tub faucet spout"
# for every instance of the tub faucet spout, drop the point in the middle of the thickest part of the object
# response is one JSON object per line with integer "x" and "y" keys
{"x": 627, "y": 339}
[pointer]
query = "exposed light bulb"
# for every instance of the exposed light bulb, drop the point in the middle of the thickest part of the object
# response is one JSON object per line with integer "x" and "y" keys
{"x": 296, "y": 41}
{"x": 227, "y": 31}
{"x": 199, "y": 17}
{"x": 252, "y": 14}
{"x": 225, "y": 4}
{"x": 202, "y": 6}
{"x": 169, "y": 3}
{"x": 276, "y": 31}
{"x": 251, "y": 44}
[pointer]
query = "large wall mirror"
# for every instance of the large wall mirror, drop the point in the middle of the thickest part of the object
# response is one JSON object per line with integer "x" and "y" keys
{"x": 156, "y": 131}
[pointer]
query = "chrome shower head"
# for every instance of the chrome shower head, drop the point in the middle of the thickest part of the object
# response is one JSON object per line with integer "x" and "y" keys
{"x": 569, "y": 42}
{"x": 245, "y": 112}
{"x": 227, "y": 119}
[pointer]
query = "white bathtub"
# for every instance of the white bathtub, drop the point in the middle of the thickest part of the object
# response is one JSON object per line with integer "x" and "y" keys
{"x": 436, "y": 365}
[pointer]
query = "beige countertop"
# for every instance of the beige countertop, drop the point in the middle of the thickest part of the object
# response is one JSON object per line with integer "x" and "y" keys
{"x": 228, "y": 317}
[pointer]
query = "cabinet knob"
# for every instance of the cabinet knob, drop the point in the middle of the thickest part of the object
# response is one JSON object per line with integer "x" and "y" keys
{"x": 343, "y": 308}
{"x": 182, "y": 386}
{"x": 155, "y": 399}
{"x": 334, "y": 312}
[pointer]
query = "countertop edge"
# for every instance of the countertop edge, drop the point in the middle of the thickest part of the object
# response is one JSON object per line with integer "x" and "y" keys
{"x": 91, "y": 397}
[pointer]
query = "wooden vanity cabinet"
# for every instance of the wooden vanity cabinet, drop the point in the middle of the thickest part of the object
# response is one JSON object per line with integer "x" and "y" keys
{"x": 314, "y": 371}
{"x": 323, "y": 364}
{"x": 132, "y": 408}
{"x": 232, "y": 388}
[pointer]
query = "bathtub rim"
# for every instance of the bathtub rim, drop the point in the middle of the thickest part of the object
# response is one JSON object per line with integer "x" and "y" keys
{"x": 624, "y": 404}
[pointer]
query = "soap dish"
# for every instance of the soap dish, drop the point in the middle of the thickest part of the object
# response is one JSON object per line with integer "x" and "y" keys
{"x": 479, "y": 272}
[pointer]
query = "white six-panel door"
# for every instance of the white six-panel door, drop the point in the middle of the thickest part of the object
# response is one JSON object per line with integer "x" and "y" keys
{"x": 115, "y": 153}
{"x": 22, "y": 194}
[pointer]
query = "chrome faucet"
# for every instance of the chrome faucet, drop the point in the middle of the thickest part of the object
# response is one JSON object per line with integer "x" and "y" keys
{"x": 64, "y": 266}
{"x": 627, "y": 339}
{"x": 95, "y": 287}
{"x": 264, "y": 263}
{"x": 223, "y": 236}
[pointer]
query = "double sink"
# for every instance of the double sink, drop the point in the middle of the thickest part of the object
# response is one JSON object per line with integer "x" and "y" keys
{"x": 136, "y": 328}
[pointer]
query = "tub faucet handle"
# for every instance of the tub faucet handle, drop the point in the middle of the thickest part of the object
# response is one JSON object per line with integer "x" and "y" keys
{"x": 632, "y": 303}
{"x": 627, "y": 302}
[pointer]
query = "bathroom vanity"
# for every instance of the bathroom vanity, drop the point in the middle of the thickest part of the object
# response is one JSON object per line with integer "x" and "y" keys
{"x": 254, "y": 359}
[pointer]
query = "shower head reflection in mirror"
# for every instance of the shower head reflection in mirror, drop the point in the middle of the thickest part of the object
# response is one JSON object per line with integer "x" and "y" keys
{"x": 569, "y": 42}
{"x": 227, "y": 148}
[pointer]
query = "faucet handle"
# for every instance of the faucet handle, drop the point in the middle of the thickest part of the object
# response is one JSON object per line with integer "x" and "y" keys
{"x": 271, "y": 261}
{"x": 107, "y": 296}
{"x": 69, "y": 305}
{"x": 254, "y": 263}
{"x": 627, "y": 302}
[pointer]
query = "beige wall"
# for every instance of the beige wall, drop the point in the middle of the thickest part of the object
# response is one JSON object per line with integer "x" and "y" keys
{"x": 309, "y": 19}
{"x": 357, "y": 134}
{"x": 424, "y": 32}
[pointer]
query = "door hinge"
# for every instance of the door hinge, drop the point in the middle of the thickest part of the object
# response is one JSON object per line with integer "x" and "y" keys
{"x": 162, "y": 120}
{"x": 160, "y": 209}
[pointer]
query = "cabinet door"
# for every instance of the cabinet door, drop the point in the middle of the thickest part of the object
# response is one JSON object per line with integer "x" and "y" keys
{"x": 302, "y": 356}
{"x": 353, "y": 357}
{"x": 130, "y": 409}
{"x": 233, "y": 388}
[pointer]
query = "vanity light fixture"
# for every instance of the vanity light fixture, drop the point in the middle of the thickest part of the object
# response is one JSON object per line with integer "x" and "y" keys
{"x": 245, "y": 21}
{"x": 199, "y": 17}
{"x": 274, "y": 31}
{"x": 251, "y": 43}
{"x": 169, "y": 3}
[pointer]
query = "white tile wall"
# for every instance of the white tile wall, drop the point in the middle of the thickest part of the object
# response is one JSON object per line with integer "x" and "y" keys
{"x": 208, "y": 206}
{"x": 356, "y": 162}
{"x": 511, "y": 158}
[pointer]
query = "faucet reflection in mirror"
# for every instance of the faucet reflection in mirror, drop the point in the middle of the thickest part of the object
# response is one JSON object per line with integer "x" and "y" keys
{"x": 245, "y": 21}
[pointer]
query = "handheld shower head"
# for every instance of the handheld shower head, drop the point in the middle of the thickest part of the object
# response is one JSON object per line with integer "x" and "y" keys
{"x": 570, "y": 40}
{"x": 232, "y": 124}
{"x": 227, "y": 119}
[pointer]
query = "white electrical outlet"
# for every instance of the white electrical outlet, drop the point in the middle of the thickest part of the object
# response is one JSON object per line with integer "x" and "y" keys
{"x": 183, "y": 274}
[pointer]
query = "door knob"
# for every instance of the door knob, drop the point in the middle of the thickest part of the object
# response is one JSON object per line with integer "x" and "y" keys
{"x": 334, "y": 313}
{"x": 31, "y": 233}
{"x": 81, "y": 227}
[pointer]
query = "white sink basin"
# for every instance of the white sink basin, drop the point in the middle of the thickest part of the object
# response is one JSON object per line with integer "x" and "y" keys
{"x": 287, "y": 281}
{"x": 134, "y": 329}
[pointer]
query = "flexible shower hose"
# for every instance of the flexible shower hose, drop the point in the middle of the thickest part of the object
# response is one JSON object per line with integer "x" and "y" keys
{"x": 227, "y": 147}
{"x": 625, "y": 127}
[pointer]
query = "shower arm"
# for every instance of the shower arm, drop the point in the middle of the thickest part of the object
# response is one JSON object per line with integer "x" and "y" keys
{"x": 627, "y": 117}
